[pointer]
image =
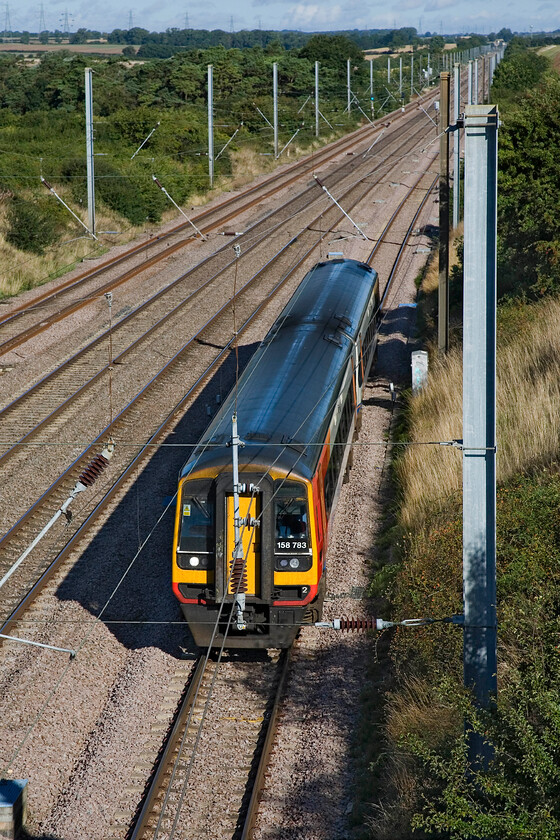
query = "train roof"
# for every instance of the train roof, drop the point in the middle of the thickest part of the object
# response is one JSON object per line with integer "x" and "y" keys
{"x": 286, "y": 395}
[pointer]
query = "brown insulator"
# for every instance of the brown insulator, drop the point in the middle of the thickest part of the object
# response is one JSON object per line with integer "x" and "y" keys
{"x": 93, "y": 470}
{"x": 238, "y": 575}
{"x": 359, "y": 624}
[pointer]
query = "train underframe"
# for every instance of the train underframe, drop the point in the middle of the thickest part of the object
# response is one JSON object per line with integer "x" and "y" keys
{"x": 267, "y": 625}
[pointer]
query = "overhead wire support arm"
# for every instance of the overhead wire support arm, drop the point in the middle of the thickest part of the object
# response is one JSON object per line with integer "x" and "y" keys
{"x": 56, "y": 195}
{"x": 39, "y": 644}
{"x": 333, "y": 199}
{"x": 363, "y": 112}
{"x": 430, "y": 118}
{"x": 368, "y": 623}
{"x": 174, "y": 203}
{"x": 264, "y": 116}
{"x": 143, "y": 143}
{"x": 283, "y": 149}
{"x": 222, "y": 150}
{"x": 391, "y": 95}
{"x": 330, "y": 125}
{"x": 86, "y": 479}
{"x": 369, "y": 148}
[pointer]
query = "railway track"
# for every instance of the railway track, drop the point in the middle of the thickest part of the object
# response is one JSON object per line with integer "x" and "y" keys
{"x": 239, "y": 726}
{"x": 184, "y": 367}
{"x": 50, "y": 307}
{"x": 180, "y": 794}
{"x": 141, "y": 441}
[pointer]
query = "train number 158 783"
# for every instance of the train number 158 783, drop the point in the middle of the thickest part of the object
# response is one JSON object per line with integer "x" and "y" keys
{"x": 291, "y": 545}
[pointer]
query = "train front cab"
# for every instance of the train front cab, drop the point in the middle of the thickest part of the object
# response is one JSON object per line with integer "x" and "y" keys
{"x": 283, "y": 568}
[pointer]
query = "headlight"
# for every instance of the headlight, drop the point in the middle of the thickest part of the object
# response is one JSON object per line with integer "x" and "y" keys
{"x": 193, "y": 561}
{"x": 284, "y": 562}
{"x": 294, "y": 563}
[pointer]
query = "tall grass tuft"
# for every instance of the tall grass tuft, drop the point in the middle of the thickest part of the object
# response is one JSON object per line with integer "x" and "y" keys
{"x": 528, "y": 415}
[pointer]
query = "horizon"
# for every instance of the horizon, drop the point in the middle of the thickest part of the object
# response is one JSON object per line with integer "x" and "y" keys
{"x": 439, "y": 17}
{"x": 10, "y": 33}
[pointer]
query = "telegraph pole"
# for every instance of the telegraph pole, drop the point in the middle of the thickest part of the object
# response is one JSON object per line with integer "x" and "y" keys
{"x": 400, "y": 77}
{"x": 89, "y": 152}
{"x": 456, "y": 144}
{"x": 316, "y": 99}
{"x": 275, "y": 106}
{"x": 411, "y": 76}
{"x": 211, "y": 124}
{"x": 348, "y": 84}
{"x": 389, "y": 70}
{"x": 443, "y": 286}
{"x": 479, "y": 416}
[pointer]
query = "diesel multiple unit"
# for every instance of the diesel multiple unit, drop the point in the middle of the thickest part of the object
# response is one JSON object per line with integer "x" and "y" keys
{"x": 297, "y": 408}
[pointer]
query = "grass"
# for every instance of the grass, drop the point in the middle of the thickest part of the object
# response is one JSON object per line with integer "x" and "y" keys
{"x": 423, "y": 703}
{"x": 528, "y": 412}
{"x": 23, "y": 270}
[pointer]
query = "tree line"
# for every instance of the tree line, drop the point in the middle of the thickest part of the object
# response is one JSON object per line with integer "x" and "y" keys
{"x": 42, "y": 122}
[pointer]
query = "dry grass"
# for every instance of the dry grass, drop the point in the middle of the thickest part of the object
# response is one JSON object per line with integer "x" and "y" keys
{"x": 416, "y": 710}
{"x": 431, "y": 275}
{"x": 528, "y": 416}
{"x": 413, "y": 710}
{"x": 22, "y": 270}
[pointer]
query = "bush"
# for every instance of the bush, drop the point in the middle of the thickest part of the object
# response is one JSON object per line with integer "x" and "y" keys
{"x": 135, "y": 199}
{"x": 519, "y": 797}
{"x": 32, "y": 226}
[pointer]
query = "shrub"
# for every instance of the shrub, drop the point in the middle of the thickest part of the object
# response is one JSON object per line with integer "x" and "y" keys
{"x": 134, "y": 198}
{"x": 32, "y": 226}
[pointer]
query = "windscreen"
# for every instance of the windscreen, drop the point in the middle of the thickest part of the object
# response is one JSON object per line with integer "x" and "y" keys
{"x": 292, "y": 526}
{"x": 197, "y": 524}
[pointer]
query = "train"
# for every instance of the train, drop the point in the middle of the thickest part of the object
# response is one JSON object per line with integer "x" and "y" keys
{"x": 256, "y": 498}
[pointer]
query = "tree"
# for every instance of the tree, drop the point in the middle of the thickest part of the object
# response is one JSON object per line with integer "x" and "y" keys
{"x": 331, "y": 50}
{"x": 529, "y": 204}
{"x": 79, "y": 37}
{"x": 437, "y": 43}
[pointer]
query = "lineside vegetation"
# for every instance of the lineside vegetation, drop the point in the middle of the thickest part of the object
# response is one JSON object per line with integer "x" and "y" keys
{"x": 421, "y": 765}
{"x": 42, "y": 132}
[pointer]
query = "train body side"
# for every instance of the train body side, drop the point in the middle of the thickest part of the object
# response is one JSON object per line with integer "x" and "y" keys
{"x": 298, "y": 405}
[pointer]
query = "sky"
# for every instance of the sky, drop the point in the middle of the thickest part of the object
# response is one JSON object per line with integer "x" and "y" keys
{"x": 307, "y": 15}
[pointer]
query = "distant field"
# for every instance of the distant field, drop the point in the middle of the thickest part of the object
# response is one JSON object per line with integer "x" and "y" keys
{"x": 100, "y": 49}
{"x": 552, "y": 52}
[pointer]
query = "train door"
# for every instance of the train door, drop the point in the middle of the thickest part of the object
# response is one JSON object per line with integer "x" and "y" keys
{"x": 250, "y": 572}
{"x": 359, "y": 371}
